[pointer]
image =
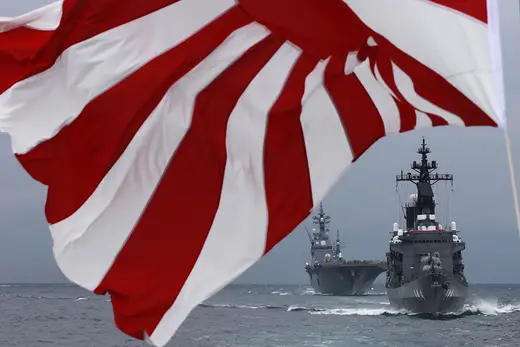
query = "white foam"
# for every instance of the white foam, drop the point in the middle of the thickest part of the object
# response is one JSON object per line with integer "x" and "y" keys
{"x": 360, "y": 312}
{"x": 490, "y": 307}
{"x": 281, "y": 293}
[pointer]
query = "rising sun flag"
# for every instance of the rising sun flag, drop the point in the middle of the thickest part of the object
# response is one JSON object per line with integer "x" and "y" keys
{"x": 168, "y": 131}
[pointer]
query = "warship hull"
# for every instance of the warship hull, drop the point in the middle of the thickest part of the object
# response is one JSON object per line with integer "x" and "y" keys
{"x": 431, "y": 294}
{"x": 345, "y": 279}
{"x": 425, "y": 267}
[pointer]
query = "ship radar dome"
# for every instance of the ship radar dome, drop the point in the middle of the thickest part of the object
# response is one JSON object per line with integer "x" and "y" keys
{"x": 453, "y": 226}
{"x": 396, "y": 226}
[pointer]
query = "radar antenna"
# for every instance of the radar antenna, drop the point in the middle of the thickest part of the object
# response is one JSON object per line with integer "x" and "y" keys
{"x": 424, "y": 170}
{"x": 322, "y": 220}
{"x": 423, "y": 202}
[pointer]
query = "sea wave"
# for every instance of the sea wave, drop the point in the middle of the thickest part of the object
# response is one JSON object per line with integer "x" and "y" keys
{"x": 482, "y": 307}
{"x": 281, "y": 293}
{"x": 360, "y": 312}
{"x": 295, "y": 308}
{"x": 232, "y": 306}
{"x": 308, "y": 291}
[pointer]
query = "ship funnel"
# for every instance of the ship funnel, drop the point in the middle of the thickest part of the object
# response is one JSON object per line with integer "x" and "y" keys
{"x": 453, "y": 226}
{"x": 396, "y": 226}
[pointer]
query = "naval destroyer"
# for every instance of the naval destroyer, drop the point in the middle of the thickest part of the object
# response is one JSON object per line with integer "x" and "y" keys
{"x": 330, "y": 273}
{"x": 425, "y": 269}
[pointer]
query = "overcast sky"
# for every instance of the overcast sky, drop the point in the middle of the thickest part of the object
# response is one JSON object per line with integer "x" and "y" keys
{"x": 363, "y": 205}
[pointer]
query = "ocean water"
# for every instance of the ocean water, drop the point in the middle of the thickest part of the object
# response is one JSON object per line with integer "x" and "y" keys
{"x": 262, "y": 316}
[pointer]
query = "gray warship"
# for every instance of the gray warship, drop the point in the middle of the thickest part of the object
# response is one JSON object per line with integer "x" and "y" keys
{"x": 425, "y": 269}
{"x": 329, "y": 273}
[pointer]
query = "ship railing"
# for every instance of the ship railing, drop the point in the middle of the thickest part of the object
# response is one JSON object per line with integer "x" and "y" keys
{"x": 415, "y": 177}
{"x": 365, "y": 262}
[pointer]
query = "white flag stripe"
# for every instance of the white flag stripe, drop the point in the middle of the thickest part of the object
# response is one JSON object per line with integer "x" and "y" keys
{"x": 422, "y": 120}
{"x": 243, "y": 197}
{"x": 328, "y": 149}
{"x": 438, "y": 49}
{"x": 496, "y": 60}
{"x": 383, "y": 101}
{"x": 382, "y": 82}
{"x": 43, "y": 18}
{"x": 105, "y": 221}
{"x": 405, "y": 85}
{"x": 89, "y": 68}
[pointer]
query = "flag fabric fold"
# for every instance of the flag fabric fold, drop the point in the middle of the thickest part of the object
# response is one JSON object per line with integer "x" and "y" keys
{"x": 180, "y": 141}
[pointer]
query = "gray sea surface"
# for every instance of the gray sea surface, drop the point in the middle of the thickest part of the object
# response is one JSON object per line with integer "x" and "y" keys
{"x": 261, "y": 316}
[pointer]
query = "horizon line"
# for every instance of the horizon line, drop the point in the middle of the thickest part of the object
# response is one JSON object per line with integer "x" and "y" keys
{"x": 234, "y": 284}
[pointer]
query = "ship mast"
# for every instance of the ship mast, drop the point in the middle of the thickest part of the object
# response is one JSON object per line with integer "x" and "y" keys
{"x": 322, "y": 219}
{"x": 423, "y": 202}
{"x": 337, "y": 249}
